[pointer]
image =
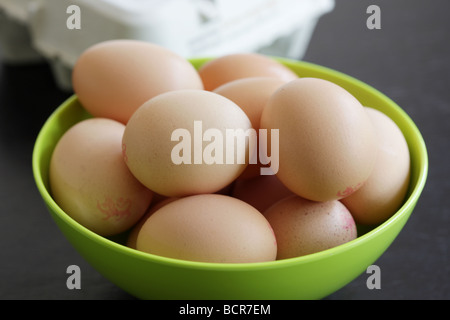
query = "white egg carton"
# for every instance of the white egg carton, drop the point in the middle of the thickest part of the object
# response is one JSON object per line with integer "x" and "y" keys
{"x": 34, "y": 29}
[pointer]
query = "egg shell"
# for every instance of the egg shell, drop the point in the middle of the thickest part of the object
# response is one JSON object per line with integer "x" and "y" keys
{"x": 90, "y": 181}
{"x": 261, "y": 192}
{"x": 226, "y": 68}
{"x": 327, "y": 144}
{"x": 251, "y": 95}
{"x": 113, "y": 78}
{"x": 385, "y": 190}
{"x": 166, "y": 147}
{"x": 208, "y": 228}
{"x": 303, "y": 227}
{"x": 132, "y": 236}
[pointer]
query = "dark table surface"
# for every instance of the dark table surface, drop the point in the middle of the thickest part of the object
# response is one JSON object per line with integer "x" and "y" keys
{"x": 408, "y": 59}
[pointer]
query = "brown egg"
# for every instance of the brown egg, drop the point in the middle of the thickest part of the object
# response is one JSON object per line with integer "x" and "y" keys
{"x": 261, "y": 192}
{"x": 90, "y": 181}
{"x": 132, "y": 237}
{"x": 113, "y": 78}
{"x": 251, "y": 94}
{"x": 303, "y": 227}
{"x": 208, "y": 228}
{"x": 179, "y": 143}
{"x": 385, "y": 190}
{"x": 234, "y": 66}
{"x": 327, "y": 144}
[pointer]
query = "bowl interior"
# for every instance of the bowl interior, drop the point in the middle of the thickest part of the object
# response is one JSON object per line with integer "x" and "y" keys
{"x": 348, "y": 260}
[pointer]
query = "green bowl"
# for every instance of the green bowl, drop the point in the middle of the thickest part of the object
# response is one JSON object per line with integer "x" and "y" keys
{"x": 314, "y": 276}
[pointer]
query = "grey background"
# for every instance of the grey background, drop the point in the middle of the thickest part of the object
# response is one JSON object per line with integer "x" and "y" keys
{"x": 407, "y": 59}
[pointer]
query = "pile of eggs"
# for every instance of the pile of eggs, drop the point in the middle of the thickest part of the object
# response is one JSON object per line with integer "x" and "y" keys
{"x": 155, "y": 159}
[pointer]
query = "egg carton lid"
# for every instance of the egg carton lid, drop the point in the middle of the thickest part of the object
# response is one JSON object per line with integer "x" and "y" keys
{"x": 17, "y": 9}
{"x": 190, "y": 28}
